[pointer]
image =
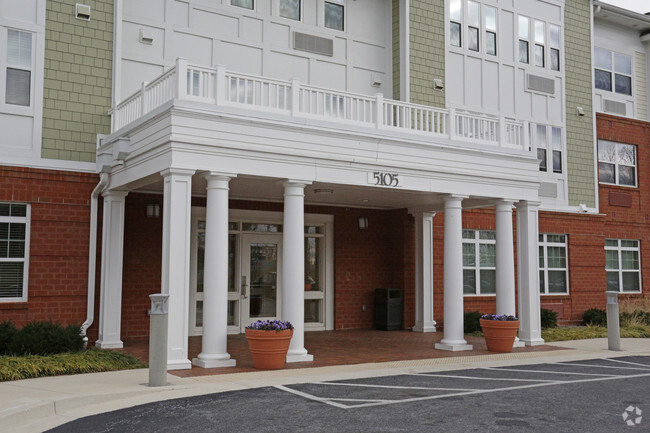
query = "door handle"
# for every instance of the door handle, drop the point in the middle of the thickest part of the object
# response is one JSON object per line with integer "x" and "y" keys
{"x": 243, "y": 287}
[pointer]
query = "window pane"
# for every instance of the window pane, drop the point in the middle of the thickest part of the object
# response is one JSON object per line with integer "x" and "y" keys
{"x": 555, "y": 238}
{"x": 612, "y": 281}
{"x": 248, "y": 4}
{"x": 473, "y": 15}
{"x": 629, "y": 244}
{"x": 11, "y": 279}
{"x": 290, "y": 9}
{"x": 539, "y": 55}
{"x": 557, "y": 161}
{"x": 603, "y": 80}
{"x": 18, "y": 87}
{"x": 232, "y": 251}
{"x": 541, "y": 135}
{"x": 557, "y": 282}
{"x": 626, "y": 175}
{"x": 541, "y": 257}
{"x": 491, "y": 43}
{"x": 468, "y": 234}
{"x": 199, "y": 313}
{"x": 469, "y": 255}
{"x": 523, "y": 51}
{"x": 19, "y": 49}
{"x": 622, "y": 64}
{"x": 487, "y": 255}
{"x": 488, "y": 282}
{"x": 200, "y": 262}
{"x": 556, "y": 138}
{"x": 629, "y": 260}
{"x": 542, "y": 282}
{"x": 626, "y": 154}
{"x": 490, "y": 18}
{"x": 312, "y": 264}
{"x": 539, "y": 32}
{"x": 253, "y": 227}
{"x": 472, "y": 36}
{"x": 541, "y": 155}
{"x": 313, "y": 310}
{"x": 611, "y": 259}
{"x": 623, "y": 84}
{"x": 469, "y": 281}
{"x": 606, "y": 151}
{"x": 603, "y": 58}
{"x": 455, "y": 10}
{"x": 611, "y": 242}
{"x": 523, "y": 28}
{"x": 556, "y": 257}
{"x": 555, "y": 59}
{"x": 487, "y": 234}
{"x": 631, "y": 281}
{"x": 554, "y": 37}
{"x": 606, "y": 173}
{"x": 232, "y": 313}
{"x": 333, "y": 16}
{"x": 454, "y": 34}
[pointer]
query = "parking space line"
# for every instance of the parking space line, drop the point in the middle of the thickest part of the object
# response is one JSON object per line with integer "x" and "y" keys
{"x": 484, "y": 378}
{"x": 312, "y": 397}
{"x": 601, "y": 366}
{"x": 550, "y": 372}
{"x": 627, "y": 362}
{"x": 368, "y": 385}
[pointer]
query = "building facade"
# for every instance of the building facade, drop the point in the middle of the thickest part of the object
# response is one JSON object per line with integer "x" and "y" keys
{"x": 284, "y": 158}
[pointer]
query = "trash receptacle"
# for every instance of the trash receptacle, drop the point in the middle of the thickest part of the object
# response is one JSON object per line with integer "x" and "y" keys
{"x": 388, "y": 309}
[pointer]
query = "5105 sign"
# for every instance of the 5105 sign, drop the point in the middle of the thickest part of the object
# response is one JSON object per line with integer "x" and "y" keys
{"x": 381, "y": 178}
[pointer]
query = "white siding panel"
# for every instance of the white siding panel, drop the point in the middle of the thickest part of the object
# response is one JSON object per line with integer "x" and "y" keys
{"x": 194, "y": 48}
{"x": 279, "y": 35}
{"x": 330, "y": 75}
{"x": 455, "y": 80}
{"x": 134, "y": 48}
{"x": 153, "y": 10}
{"x": 178, "y": 13}
{"x": 240, "y": 58}
{"x": 19, "y": 10}
{"x": 371, "y": 56}
{"x": 473, "y": 70}
{"x": 251, "y": 29}
{"x": 491, "y": 86}
{"x": 137, "y": 73}
{"x": 540, "y": 108}
{"x": 17, "y": 135}
{"x": 506, "y": 89}
{"x": 523, "y": 101}
{"x": 505, "y": 49}
{"x": 214, "y": 23}
{"x": 286, "y": 67}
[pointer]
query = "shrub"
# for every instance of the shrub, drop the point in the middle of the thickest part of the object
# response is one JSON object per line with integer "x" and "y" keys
{"x": 45, "y": 338}
{"x": 7, "y": 334}
{"x": 471, "y": 321}
{"x": 594, "y": 316}
{"x": 548, "y": 318}
{"x": 635, "y": 318}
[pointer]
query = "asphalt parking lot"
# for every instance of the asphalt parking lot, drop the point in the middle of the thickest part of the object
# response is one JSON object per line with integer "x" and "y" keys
{"x": 598, "y": 395}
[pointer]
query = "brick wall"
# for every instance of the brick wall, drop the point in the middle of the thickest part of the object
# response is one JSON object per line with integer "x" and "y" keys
{"x": 58, "y": 259}
{"x": 78, "y": 74}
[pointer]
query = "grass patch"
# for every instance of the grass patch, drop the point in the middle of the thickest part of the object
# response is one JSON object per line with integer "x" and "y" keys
{"x": 87, "y": 361}
{"x": 586, "y": 332}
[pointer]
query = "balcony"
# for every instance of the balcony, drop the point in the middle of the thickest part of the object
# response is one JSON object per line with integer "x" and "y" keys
{"x": 219, "y": 87}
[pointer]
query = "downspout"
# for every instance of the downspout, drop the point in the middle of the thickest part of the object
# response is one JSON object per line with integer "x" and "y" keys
{"x": 92, "y": 254}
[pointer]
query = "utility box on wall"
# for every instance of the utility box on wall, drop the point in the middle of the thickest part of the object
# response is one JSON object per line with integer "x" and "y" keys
{"x": 389, "y": 304}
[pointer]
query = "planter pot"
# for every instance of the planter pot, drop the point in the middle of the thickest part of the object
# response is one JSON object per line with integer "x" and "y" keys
{"x": 269, "y": 348}
{"x": 499, "y": 334}
{"x": 308, "y": 287}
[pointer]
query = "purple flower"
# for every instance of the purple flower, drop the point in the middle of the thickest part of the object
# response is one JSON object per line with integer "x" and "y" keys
{"x": 268, "y": 325}
{"x": 501, "y": 317}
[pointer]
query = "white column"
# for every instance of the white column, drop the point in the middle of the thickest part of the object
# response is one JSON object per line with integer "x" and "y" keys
{"x": 214, "y": 351}
{"x": 110, "y": 300}
{"x": 176, "y": 262}
{"x": 530, "y": 329}
{"x": 293, "y": 268}
{"x": 505, "y": 259}
{"x": 453, "y": 338}
{"x": 424, "y": 273}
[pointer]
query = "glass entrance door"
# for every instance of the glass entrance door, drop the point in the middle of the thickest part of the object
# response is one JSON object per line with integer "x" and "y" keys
{"x": 261, "y": 278}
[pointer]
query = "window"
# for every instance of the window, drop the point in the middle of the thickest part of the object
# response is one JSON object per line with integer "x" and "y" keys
{"x": 290, "y": 9}
{"x": 479, "y": 262}
{"x": 490, "y": 30}
{"x": 473, "y": 21}
{"x": 334, "y": 14}
{"x": 524, "y": 36}
{"x": 549, "y": 153}
{"x": 19, "y": 68}
{"x": 554, "y": 43}
{"x": 247, "y": 4}
{"x": 619, "y": 65}
{"x": 14, "y": 251}
{"x": 616, "y": 163}
{"x": 455, "y": 27}
{"x": 553, "y": 269}
{"x": 479, "y": 19}
{"x": 622, "y": 265}
{"x": 539, "y": 43}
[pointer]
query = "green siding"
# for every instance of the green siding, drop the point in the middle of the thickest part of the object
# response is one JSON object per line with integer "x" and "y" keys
{"x": 78, "y": 79}
{"x": 427, "y": 51}
{"x": 396, "y": 50}
{"x": 580, "y": 139}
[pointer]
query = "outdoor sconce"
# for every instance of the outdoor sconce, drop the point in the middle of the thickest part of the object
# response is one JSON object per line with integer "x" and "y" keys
{"x": 153, "y": 210}
{"x": 363, "y": 223}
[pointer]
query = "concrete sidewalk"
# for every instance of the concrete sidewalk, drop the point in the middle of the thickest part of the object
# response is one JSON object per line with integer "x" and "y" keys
{"x": 36, "y": 405}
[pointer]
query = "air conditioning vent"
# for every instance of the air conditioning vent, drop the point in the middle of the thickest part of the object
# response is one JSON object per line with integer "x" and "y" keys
{"x": 313, "y": 44}
{"x": 614, "y": 107}
{"x": 541, "y": 84}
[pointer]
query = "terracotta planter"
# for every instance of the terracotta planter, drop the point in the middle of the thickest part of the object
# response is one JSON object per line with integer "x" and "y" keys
{"x": 269, "y": 348}
{"x": 499, "y": 334}
{"x": 308, "y": 287}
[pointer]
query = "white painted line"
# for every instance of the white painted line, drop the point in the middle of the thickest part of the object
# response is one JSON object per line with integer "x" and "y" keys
{"x": 549, "y": 372}
{"x": 627, "y": 362}
{"x": 601, "y": 366}
{"x": 367, "y": 385}
{"x": 484, "y": 378}
{"x": 362, "y": 399}
{"x": 312, "y": 397}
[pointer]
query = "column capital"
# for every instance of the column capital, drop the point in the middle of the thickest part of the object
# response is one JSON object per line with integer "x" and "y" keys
{"x": 529, "y": 203}
{"x": 454, "y": 197}
{"x": 504, "y": 205}
{"x": 299, "y": 183}
{"x": 114, "y": 193}
{"x": 218, "y": 175}
{"x": 177, "y": 171}
{"x": 423, "y": 214}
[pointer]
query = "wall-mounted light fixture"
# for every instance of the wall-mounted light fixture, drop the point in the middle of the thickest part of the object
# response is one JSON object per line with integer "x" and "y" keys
{"x": 363, "y": 223}
{"x": 153, "y": 210}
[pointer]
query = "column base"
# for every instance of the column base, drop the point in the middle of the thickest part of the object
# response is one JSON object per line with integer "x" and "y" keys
{"x": 300, "y": 357}
{"x": 109, "y": 344}
{"x": 179, "y": 364}
{"x": 213, "y": 363}
{"x": 429, "y": 327}
{"x": 518, "y": 343}
{"x": 533, "y": 342}
{"x": 454, "y": 346}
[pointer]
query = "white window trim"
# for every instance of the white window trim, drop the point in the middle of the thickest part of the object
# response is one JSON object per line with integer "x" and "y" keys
{"x": 321, "y": 15}
{"x": 477, "y": 261}
{"x": 548, "y": 147}
{"x": 618, "y": 248}
{"x": 544, "y": 243}
{"x": 613, "y": 93}
{"x": 301, "y": 6}
{"x": 27, "y": 220}
{"x": 482, "y": 31}
{"x": 616, "y": 164}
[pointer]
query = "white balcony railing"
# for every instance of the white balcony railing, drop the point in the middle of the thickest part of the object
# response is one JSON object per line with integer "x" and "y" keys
{"x": 292, "y": 98}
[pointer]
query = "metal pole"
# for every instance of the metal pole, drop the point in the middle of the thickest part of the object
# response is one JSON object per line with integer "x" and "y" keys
{"x": 158, "y": 339}
{"x": 613, "y": 328}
